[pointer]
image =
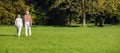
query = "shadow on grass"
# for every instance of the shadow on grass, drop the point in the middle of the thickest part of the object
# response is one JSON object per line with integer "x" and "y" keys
{"x": 8, "y": 35}
{"x": 92, "y": 26}
{"x": 5, "y": 35}
{"x": 74, "y": 26}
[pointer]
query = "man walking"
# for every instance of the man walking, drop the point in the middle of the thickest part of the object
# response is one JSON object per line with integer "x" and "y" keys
{"x": 28, "y": 23}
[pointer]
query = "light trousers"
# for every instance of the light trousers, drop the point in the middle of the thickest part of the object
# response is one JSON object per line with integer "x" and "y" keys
{"x": 27, "y": 29}
{"x": 19, "y": 31}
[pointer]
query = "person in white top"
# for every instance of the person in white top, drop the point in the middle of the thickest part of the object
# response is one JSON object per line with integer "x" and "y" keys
{"x": 18, "y": 24}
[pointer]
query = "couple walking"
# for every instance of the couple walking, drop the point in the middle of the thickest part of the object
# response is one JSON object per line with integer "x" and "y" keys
{"x": 27, "y": 23}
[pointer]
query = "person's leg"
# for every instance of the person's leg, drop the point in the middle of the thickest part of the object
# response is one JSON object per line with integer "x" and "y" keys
{"x": 19, "y": 32}
{"x": 26, "y": 29}
{"x": 30, "y": 30}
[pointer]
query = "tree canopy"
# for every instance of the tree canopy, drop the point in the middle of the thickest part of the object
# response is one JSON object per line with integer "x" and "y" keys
{"x": 62, "y": 12}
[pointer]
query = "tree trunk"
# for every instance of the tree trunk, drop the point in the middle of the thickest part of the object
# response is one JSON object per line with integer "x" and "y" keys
{"x": 69, "y": 21}
{"x": 84, "y": 20}
{"x": 96, "y": 20}
{"x": 101, "y": 23}
{"x": 83, "y": 13}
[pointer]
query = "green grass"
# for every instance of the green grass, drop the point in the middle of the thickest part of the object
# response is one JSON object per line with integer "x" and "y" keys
{"x": 49, "y": 39}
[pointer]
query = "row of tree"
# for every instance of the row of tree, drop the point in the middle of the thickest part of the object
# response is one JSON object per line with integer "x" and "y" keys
{"x": 62, "y": 12}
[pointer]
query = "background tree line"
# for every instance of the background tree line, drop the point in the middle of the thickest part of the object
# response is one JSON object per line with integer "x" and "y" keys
{"x": 62, "y": 12}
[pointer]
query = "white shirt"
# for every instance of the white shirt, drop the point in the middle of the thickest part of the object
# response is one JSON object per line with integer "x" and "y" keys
{"x": 18, "y": 22}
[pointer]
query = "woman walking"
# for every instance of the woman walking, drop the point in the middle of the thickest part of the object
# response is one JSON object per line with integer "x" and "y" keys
{"x": 28, "y": 23}
{"x": 18, "y": 24}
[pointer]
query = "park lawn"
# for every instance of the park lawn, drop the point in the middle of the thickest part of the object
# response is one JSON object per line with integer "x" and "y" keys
{"x": 51, "y": 39}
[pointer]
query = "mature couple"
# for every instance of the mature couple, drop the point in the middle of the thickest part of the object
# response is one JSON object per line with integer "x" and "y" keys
{"x": 27, "y": 23}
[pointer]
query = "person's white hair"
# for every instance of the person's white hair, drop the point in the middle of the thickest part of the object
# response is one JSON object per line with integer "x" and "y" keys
{"x": 18, "y": 16}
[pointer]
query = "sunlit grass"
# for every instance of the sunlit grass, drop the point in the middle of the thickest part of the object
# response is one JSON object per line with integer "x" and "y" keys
{"x": 50, "y": 39}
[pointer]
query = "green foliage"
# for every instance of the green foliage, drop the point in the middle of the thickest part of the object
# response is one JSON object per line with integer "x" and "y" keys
{"x": 59, "y": 12}
{"x": 9, "y": 10}
{"x": 63, "y": 12}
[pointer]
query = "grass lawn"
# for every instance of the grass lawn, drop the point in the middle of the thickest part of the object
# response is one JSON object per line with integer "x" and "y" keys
{"x": 50, "y": 39}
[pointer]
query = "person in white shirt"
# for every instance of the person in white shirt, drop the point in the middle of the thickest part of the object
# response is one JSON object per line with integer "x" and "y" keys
{"x": 18, "y": 24}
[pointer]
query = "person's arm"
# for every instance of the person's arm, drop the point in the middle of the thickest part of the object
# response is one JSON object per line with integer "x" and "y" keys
{"x": 21, "y": 21}
{"x": 30, "y": 21}
{"x": 24, "y": 19}
{"x": 15, "y": 22}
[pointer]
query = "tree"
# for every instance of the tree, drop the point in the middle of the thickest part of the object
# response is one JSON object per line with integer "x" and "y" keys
{"x": 102, "y": 10}
{"x": 9, "y": 10}
{"x": 107, "y": 9}
{"x": 64, "y": 12}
